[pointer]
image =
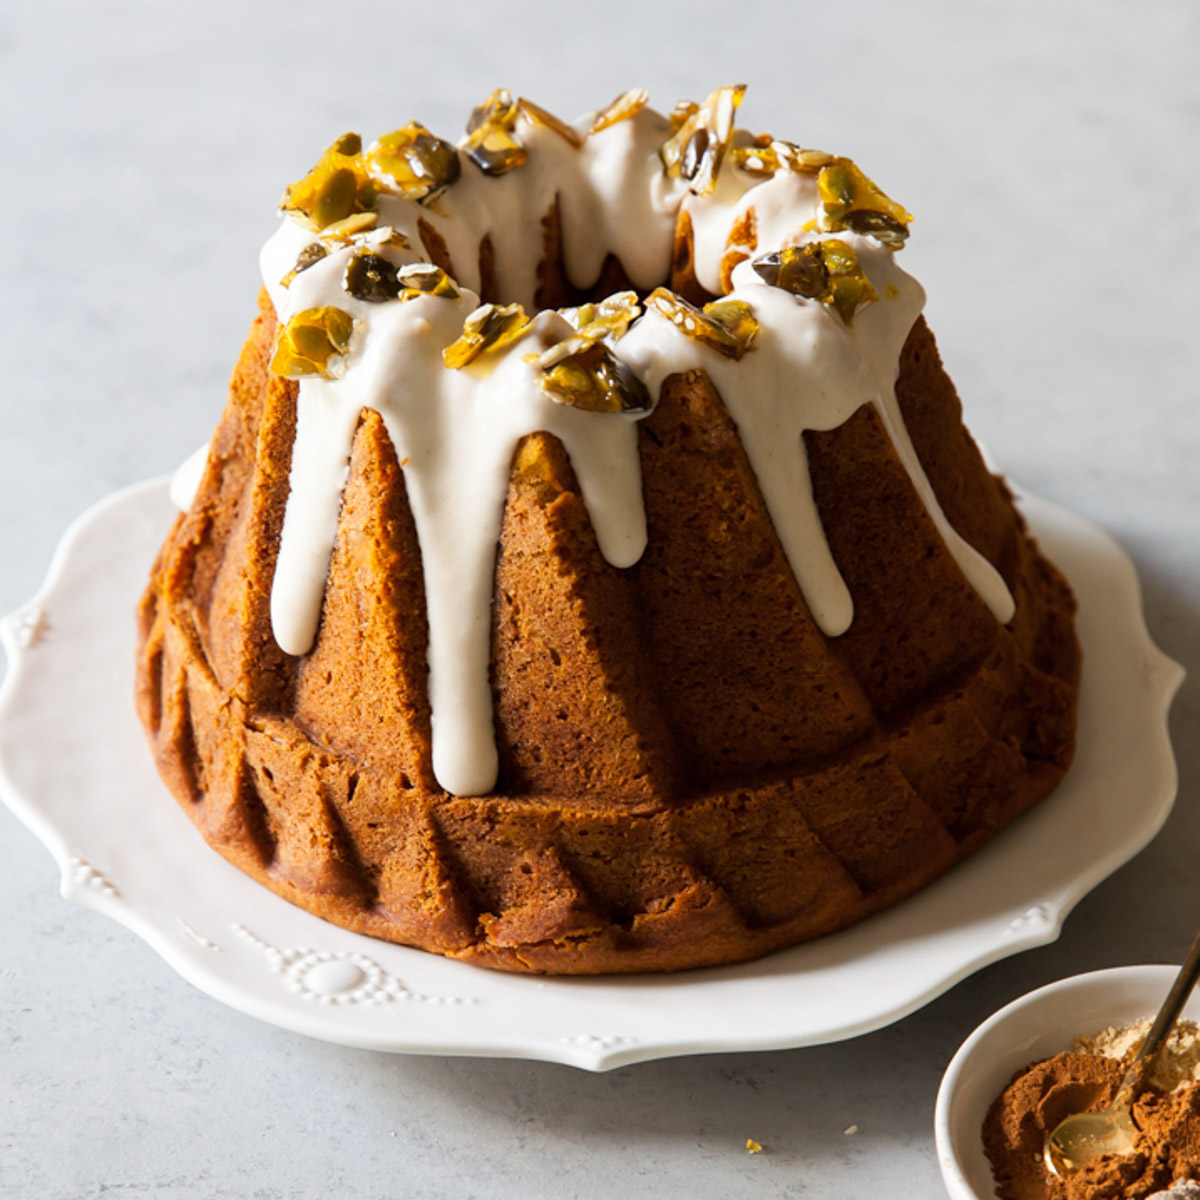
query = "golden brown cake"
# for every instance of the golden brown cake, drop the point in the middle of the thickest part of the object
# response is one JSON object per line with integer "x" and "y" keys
{"x": 676, "y": 623}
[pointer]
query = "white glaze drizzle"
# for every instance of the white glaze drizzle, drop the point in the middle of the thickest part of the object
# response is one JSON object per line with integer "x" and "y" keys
{"x": 455, "y": 432}
{"x": 185, "y": 480}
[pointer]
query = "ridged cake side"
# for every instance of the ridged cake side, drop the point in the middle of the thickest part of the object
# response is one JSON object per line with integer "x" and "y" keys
{"x": 750, "y": 782}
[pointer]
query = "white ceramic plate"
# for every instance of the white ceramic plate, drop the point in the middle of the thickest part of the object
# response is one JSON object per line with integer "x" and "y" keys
{"x": 75, "y": 768}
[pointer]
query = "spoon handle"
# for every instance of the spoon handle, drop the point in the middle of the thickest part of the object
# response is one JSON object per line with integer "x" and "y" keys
{"x": 1177, "y": 997}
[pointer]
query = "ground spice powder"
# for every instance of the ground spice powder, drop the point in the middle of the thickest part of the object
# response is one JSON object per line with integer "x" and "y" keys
{"x": 1042, "y": 1094}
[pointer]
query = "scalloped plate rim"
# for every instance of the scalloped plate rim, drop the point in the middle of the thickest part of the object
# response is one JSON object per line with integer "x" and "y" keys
{"x": 1161, "y": 680}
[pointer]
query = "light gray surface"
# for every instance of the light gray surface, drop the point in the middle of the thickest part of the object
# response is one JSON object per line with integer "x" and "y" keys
{"x": 1048, "y": 151}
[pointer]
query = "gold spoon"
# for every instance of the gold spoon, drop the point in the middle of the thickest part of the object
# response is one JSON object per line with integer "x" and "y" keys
{"x": 1078, "y": 1139}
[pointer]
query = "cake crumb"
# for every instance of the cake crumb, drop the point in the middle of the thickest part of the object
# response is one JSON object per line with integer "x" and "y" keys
{"x": 753, "y": 1147}
{"x": 850, "y": 1130}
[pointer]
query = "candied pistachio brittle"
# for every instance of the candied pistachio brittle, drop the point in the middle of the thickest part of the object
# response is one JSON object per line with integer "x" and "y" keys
{"x": 491, "y": 142}
{"x": 737, "y": 318}
{"x": 765, "y": 155}
{"x": 311, "y": 254}
{"x": 605, "y": 319}
{"x": 313, "y": 342}
{"x": 489, "y": 327}
{"x": 581, "y": 370}
{"x": 727, "y": 326}
{"x": 849, "y": 200}
{"x": 540, "y": 116}
{"x": 682, "y": 113}
{"x": 594, "y": 379}
{"x": 424, "y": 279}
{"x": 626, "y": 105}
{"x": 827, "y": 271}
{"x": 698, "y": 147}
{"x": 371, "y": 277}
{"x": 413, "y": 162}
{"x": 374, "y": 279}
{"x": 336, "y": 188}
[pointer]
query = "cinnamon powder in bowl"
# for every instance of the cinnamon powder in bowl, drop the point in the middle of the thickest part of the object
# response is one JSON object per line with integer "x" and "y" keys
{"x": 1041, "y": 1028}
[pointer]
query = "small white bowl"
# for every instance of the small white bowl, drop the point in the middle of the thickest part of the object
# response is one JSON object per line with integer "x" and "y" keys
{"x": 1033, "y": 1027}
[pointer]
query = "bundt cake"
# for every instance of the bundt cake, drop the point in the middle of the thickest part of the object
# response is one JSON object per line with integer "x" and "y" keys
{"x": 672, "y": 624}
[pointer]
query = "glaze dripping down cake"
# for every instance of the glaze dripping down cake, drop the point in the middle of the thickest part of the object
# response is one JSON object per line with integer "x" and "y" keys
{"x": 590, "y": 571}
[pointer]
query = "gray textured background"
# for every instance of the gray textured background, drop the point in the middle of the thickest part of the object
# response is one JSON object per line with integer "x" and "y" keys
{"x": 1049, "y": 152}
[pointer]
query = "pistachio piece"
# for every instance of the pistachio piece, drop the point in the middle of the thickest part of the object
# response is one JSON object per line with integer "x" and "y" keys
{"x": 698, "y": 324}
{"x": 312, "y": 253}
{"x": 844, "y": 190}
{"x": 489, "y": 327}
{"x": 491, "y": 144}
{"x": 594, "y": 379}
{"x": 371, "y": 277}
{"x": 682, "y": 113}
{"x": 849, "y": 286}
{"x": 766, "y": 156}
{"x": 758, "y": 156}
{"x": 336, "y": 188}
{"x": 336, "y": 198}
{"x": 384, "y": 236}
{"x": 697, "y": 149}
{"x": 609, "y": 318}
{"x": 539, "y": 116}
{"x": 348, "y": 228}
{"x": 737, "y": 318}
{"x": 827, "y": 271}
{"x": 809, "y": 161}
{"x": 879, "y": 225}
{"x": 425, "y": 279}
{"x": 627, "y": 104}
{"x": 499, "y": 107}
{"x": 413, "y": 162}
{"x": 312, "y": 343}
{"x": 581, "y": 370}
{"x": 800, "y": 270}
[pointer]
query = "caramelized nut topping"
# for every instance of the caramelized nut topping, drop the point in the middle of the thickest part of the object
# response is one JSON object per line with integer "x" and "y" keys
{"x": 879, "y": 225}
{"x": 809, "y": 161}
{"x": 827, "y": 271}
{"x": 605, "y": 321}
{"x": 414, "y": 163}
{"x": 371, "y": 277}
{"x": 490, "y": 143}
{"x": 708, "y": 328}
{"x": 312, "y": 343}
{"x": 609, "y": 318}
{"x": 594, "y": 379}
{"x": 697, "y": 149}
{"x": 384, "y": 236}
{"x": 735, "y": 317}
{"x": 488, "y": 328}
{"x": 539, "y": 116}
{"x": 348, "y": 228}
{"x": 849, "y": 200}
{"x": 627, "y": 104}
{"x": 757, "y": 157}
{"x": 848, "y": 283}
{"x": 766, "y": 155}
{"x": 800, "y": 270}
{"x": 682, "y": 113}
{"x": 426, "y": 279}
{"x": 336, "y": 188}
{"x": 581, "y": 370}
{"x": 312, "y": 253}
